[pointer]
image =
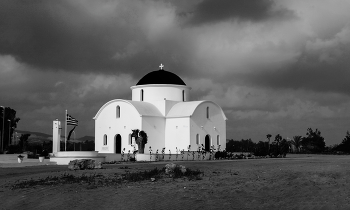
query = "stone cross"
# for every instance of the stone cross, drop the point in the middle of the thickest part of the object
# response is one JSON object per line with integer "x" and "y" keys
{"x": 161, "y": 66}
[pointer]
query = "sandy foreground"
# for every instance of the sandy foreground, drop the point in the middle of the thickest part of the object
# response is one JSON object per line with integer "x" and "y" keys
{"x": 295, "y": 182}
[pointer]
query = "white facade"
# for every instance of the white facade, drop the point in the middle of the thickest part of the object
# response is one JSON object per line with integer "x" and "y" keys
{"x": 166, "y": 114}
{"x": 156, "y": 92}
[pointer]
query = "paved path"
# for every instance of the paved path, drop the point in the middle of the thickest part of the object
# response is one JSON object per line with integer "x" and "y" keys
{"x": 26, "y": 162}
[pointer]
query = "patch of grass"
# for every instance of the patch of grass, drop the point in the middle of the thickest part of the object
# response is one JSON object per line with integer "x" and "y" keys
{"x": 124, "y": 167}
{"x": 112, "y": 162}
{"x": 57, "y": 180}
{"x": 98, "y": 180}
{"x": 143, "y": 175}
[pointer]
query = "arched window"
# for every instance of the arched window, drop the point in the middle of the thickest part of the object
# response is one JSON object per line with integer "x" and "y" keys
{"x": 197, "y": 138}
{"x": 118, "y": 112}
{"x": 183, "y": 95}
{"x": 141, "y": 95}
{"x": 218, "y": 139}
{"x": 208, "y": 112}
{"x": 105, "y": 139}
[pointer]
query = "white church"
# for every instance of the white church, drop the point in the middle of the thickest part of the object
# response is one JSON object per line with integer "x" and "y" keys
{"x": 161, "y": 107}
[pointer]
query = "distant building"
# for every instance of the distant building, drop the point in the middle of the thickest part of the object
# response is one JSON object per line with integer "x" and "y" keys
{"x": 161, "y": 107}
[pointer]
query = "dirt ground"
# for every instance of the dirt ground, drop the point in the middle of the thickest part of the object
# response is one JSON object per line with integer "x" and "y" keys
{"x": 295, "y": 182}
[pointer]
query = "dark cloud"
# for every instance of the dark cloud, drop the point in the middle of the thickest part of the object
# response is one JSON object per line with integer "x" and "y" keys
{"x": 60, "y": 35}
{"x": 67, "y": 36}
{"x": 212, "y": 11}
{"x": 316, "y": 76}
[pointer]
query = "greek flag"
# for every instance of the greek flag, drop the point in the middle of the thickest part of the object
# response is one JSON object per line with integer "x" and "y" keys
{"x": 71, "y": 120}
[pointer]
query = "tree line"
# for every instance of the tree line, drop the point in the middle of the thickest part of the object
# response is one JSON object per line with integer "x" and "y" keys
{"x": 313, "y": 142}
{"x": 344, "y": 146}
{"x": 36, "y": 148}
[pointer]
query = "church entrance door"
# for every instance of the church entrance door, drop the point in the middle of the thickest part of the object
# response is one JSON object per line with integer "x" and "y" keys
{"x": 118, "y": 144}
{"x": 207, "y": 143}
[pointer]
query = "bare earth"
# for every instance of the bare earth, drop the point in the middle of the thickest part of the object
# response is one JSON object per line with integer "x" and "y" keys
{"x": 295, "y": 182}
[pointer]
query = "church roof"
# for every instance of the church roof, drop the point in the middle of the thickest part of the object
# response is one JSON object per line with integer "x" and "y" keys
{"x": 186, "y": 109}
{"x": 161, "y": 77}
{"x": 143, "y": 108}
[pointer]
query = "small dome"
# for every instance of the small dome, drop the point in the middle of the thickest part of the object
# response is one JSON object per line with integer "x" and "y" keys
{"x": 161, "y": 77}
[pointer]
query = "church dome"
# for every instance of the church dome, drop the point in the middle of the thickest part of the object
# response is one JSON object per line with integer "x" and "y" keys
{"x": 161, "y": 77}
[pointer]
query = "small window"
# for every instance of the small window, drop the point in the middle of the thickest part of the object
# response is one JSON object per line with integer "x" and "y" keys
{"x": 105, "y": 139}
{"x": 197, "y": 138}
{"x": 141, "y": 96}
{"x": 183, "y": 95}
{"x": 130, "y": 139}
{"x": 118, "y": 112}
{"x": 218, "y": 139}
{"x": 207, "y": 112}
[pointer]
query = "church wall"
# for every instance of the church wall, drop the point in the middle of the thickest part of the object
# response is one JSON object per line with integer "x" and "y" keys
{"x": 160, "y": 92}
{"x": 154, "y": 127}
{"x": 177, "y": 134}
{"x": 108, "y": 123}
{"x": 164, "y": 106}
{"x": 203, "y": 126}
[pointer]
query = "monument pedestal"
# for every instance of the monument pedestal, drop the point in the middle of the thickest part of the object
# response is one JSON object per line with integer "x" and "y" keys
{"x": 64, "y": 157}
{"x": 145, "y": 157}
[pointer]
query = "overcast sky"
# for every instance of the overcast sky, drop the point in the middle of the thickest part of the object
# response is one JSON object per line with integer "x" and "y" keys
{"x": 275, "y": 67}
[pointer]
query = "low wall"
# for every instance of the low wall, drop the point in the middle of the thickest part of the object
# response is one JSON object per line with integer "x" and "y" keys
{"x": 64, "y": 157}
{"x": 66, "y": 160}
{"x": 10, "y": 158}
{"x": 110, "y": 157}
{"x": 76, "y": 154}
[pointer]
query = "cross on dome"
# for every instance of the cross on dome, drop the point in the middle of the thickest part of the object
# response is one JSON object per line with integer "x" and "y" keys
{"x": 161, "y": 66}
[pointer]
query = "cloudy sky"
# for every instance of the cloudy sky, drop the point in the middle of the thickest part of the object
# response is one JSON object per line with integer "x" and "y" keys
{"x": 275, "y": 67}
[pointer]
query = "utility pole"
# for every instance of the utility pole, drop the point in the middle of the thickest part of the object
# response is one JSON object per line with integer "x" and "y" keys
{"x": 2, "y": 130}
{"x": 9, "y": 122}
{"x": 74, "y": 139}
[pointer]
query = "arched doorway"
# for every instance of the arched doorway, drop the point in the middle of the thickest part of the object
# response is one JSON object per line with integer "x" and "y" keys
{"x": 118, "y": 144}
{"x": 207, "y": 143}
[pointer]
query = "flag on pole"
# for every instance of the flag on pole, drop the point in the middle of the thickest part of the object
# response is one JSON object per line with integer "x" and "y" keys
{"x": 70, "y": 133}
{"x": 71, "y": 120}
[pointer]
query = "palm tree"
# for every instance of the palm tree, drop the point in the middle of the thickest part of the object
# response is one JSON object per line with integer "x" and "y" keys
{"x": 278, "y": 139}
{"x": 296, "y": 141}
{"x": 268, "y": 136}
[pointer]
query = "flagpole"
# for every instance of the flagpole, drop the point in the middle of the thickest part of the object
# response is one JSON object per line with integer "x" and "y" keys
{"x": 65, "y": 135}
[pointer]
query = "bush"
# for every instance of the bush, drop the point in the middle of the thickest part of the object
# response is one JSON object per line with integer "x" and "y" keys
{"x": 223, "y": 155}
{"x": 44, "y": 153}
{"x": 179, "y": 171}
{"x": 143, "y": 175}
{"x": 240, "y": 156}
{"x": 261, "y": 148}
{"x": 14, "y": 149}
